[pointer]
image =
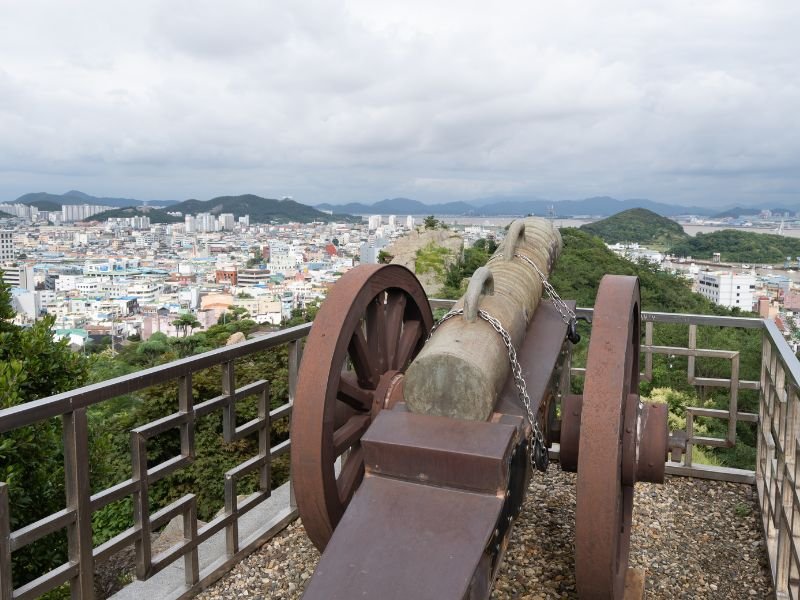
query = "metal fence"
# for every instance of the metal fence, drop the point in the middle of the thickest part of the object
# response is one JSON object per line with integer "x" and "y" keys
{"x": 733, "y": 384}
{"x": 775, "y": 475}
{"x": 776, "y": 471}
{"x": 71, "y": 407}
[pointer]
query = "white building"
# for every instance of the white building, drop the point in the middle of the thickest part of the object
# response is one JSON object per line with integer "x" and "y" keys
{"x": 374, "y": 222}
{"x": 727, "y": 288}
{"x": 79, "y": 212}
{"x": 409, "y": 222}
{"x": 226, "y": 221}
{"x": 17, "y": 276}
{"x": 282, "y": 258}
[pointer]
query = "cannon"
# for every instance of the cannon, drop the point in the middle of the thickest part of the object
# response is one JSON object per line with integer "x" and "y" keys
{"x": 414, "y": 442}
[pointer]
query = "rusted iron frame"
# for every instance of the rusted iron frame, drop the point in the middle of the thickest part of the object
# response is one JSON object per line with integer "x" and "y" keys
{"x": 76, "y": 518}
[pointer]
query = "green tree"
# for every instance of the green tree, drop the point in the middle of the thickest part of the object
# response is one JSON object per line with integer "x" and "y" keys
{"x": 431, "y": 222}
{"x": 33, "y": 366}
{"x": 186, "y": 323}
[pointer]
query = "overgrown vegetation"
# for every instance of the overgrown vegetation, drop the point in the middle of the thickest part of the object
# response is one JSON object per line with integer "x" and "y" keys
{"x": 432, "y": 258}
{"x": 739, "y": 246}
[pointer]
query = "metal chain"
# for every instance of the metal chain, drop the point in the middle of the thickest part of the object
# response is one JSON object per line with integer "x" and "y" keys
{"x": 567, "y": 314}
{"x": 539, "y": 456}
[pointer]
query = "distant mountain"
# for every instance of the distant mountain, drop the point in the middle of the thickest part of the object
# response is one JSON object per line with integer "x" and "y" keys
{"x": 46, "y": 201}
{"x": 400, "y": 206}
{"x": 516, "y": 206}
{"x": 261, "y": 210}
{"x": 637, "y": 225}
{"x": 156, "y": 215}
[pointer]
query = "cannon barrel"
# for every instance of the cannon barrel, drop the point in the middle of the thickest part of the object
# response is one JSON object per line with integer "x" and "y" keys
{"x": 464, "y": 366}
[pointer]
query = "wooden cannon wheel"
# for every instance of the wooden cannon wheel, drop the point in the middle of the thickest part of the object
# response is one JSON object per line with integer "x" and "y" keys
{"x": 375, "y": 320}
{"x": 607, "y": 458}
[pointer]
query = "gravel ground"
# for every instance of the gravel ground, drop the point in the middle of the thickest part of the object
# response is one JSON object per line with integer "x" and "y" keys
{"x": 693, "y": 538}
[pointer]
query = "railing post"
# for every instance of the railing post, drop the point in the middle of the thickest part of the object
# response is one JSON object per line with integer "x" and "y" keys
{"x": 265, "y": 471}
{"x": 191, "y": 560}
{"x": 229, "y": 410}
{"x": 295, "y": 354}
{"x": 733, "y": 407}
{"x": 141, "y": 506}
{"x": 6, "y": 582}
{"x": 231, "y": 508}
{"x": 76, "y": 472}
{"x": 186, "y": 405}
{"x": 691, "y": 360}
{"x": 687, "y": 456}
{"x": 648, "y": 355}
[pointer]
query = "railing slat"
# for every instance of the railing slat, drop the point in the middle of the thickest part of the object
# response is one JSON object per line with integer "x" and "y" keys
{"x": 47, "y": 582}
{"x": 38, "y": 529}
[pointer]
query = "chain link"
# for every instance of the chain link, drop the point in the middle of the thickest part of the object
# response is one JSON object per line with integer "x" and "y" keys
{"x": 567, "y": 314}
{"x": 539, "y": 456}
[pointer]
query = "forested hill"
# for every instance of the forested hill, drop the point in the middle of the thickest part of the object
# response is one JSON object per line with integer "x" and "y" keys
{"x": 739, "y": 246}
{"x": 637, "y": 225}
{"x": 586, "y": 259}
{"x": 261, "y": 210}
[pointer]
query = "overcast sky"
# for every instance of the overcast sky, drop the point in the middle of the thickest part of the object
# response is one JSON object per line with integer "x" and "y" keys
{"x": 676, "y": 101}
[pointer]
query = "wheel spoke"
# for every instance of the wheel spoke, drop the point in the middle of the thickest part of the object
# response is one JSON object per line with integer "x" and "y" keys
{"x": 395, "y": 309}
{"x": 351, "y": 475}
{"x": 408, "y": 343}
{"x": 376, "y": 331}
{"x": 348, "y": 434}
{"x": 352, "y": 394}
{"x": 362, "y": 362}
{"x": 342, "y": 414}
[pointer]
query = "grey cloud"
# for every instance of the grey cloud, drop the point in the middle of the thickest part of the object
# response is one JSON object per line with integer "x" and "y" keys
{"x": 672, "y": 100}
